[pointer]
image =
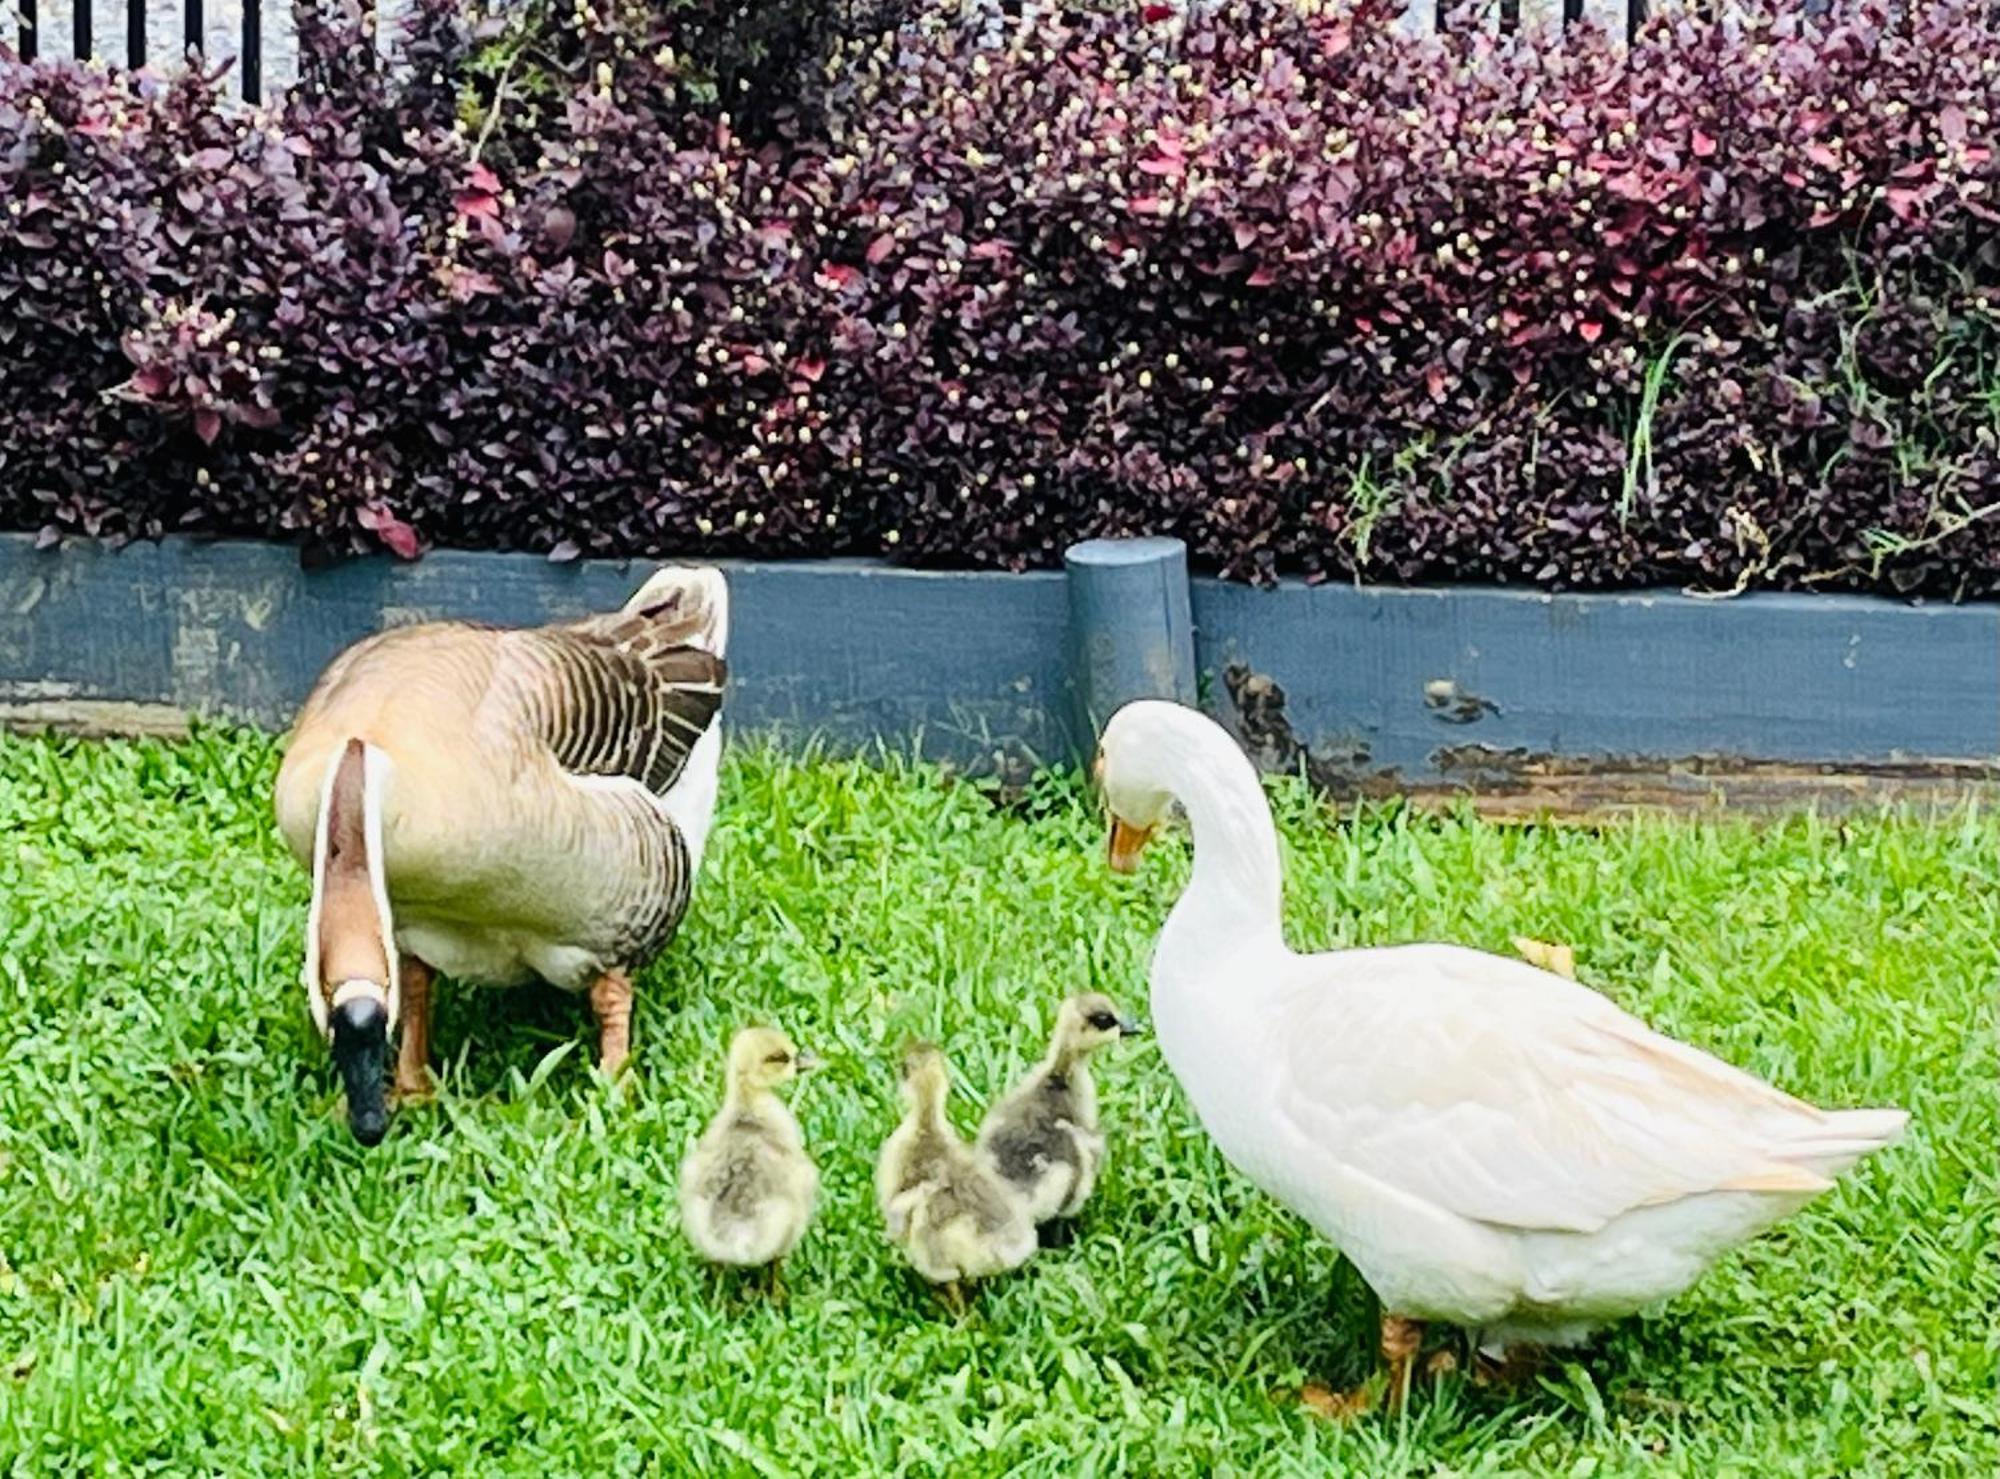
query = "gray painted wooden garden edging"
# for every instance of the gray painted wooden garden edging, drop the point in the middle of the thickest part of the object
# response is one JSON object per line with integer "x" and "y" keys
{"x": 1530, "y": 700}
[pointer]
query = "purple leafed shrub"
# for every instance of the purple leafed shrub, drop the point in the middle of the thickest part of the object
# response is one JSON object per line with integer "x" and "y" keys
{"x": 1322, "y": 299}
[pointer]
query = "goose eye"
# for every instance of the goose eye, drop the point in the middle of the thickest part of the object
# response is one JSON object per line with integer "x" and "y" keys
{"x": 779, "y": 1058}
{"x": 1103, "y": 1021}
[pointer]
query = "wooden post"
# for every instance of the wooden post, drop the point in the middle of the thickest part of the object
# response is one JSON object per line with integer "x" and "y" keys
{"x": 1131, "y": 629}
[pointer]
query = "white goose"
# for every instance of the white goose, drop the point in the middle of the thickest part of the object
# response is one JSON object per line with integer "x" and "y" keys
{"x": 1490, "y": 1144}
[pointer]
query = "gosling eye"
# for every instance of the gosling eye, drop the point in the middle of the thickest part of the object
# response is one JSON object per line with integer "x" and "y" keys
{"x": 779, "y": 1059}
{"x": 1103, "y": 1021}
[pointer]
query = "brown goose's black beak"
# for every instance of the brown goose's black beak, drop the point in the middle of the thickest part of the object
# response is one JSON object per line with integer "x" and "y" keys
{"x": 360, "y": 1052}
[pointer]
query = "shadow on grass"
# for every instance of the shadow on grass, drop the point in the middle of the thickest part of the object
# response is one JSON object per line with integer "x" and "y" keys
{"x": 482, "y": 1035}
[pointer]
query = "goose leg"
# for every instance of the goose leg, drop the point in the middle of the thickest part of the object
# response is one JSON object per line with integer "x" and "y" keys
{"x": 1401, "y": 1340}
{"x": 413, "y": 1051}
{"x": 1514, "y": 1367}
{"x": 611, "y": 1000}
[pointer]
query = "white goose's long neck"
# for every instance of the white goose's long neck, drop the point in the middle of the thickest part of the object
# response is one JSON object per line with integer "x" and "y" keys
{"x": 1231, "y": 906}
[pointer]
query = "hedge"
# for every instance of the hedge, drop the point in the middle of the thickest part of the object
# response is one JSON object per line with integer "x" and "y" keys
{"x": 1722, "y": 310}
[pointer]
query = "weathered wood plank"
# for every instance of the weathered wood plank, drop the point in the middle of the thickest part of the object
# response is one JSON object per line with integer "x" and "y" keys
{"x": 962, "y": 667}
{"x": 1387, "y": 685}
{"x": 1521, "y": 788}
{"x": 1536, "y": 703}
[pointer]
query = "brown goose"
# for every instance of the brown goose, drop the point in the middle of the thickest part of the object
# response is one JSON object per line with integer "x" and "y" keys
{"x": 502, "y": 805}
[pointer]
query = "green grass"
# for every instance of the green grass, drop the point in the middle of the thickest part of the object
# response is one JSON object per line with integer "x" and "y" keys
{"x": 201, "y": 1272}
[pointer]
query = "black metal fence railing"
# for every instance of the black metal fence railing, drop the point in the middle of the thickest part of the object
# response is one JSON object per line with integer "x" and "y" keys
{"x": 257, "y": 36}
{"x": 263, "y": 46}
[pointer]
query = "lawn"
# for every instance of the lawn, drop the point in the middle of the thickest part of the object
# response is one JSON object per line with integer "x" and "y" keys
{"x": 201, "y": 1272}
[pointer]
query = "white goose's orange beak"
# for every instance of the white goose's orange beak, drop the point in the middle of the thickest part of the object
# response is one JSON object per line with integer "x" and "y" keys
{"x": 1127, "y": 842}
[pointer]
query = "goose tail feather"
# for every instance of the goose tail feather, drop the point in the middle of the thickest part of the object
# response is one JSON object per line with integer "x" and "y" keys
{"x": 692, "y": 601}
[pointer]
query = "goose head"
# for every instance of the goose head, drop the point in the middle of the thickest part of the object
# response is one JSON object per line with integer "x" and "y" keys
{"x": 1087, "y": 1022}
{"x": 926, "y": 1079}
{"x": 358, "y": 1032}
{"x": 763, "y": 1058}
{"x": 1156, "y": 757}
{"x": 1127, "y": 776}
{"x": 351, "y": 958}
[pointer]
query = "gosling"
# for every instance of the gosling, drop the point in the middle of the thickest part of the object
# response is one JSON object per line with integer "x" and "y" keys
{"x": 954, "y": 1219}
{"x": 748, "y": 1186}
{"x": 1043, "y": 1138}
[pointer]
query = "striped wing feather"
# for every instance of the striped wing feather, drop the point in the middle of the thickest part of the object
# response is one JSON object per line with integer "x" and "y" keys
{"x": 621, "y": 695}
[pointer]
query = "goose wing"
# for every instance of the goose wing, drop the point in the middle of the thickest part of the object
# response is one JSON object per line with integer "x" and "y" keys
{"x": 1521, "y": 1099}
{"x": 629, "y": 693}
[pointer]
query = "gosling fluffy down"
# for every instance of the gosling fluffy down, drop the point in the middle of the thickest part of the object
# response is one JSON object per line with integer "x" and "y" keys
{"x": 1043, "y": 1138}
{"x": 748, "y": 1186}
{"x": 953, "y": 1218}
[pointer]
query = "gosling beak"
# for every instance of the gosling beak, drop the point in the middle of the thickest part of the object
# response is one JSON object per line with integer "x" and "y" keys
{"x": 360, "y": 1046}
{"x": 1127, "y": 842}
{"x": 1131, "y": 1027}
{"x": 806, "y": 1061}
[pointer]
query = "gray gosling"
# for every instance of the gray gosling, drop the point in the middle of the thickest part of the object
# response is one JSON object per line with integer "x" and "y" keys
{"x": 1043, "y": 1138}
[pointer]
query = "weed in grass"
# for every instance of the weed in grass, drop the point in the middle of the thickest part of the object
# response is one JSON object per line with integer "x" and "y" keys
{"x": 201, "y": 1272}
